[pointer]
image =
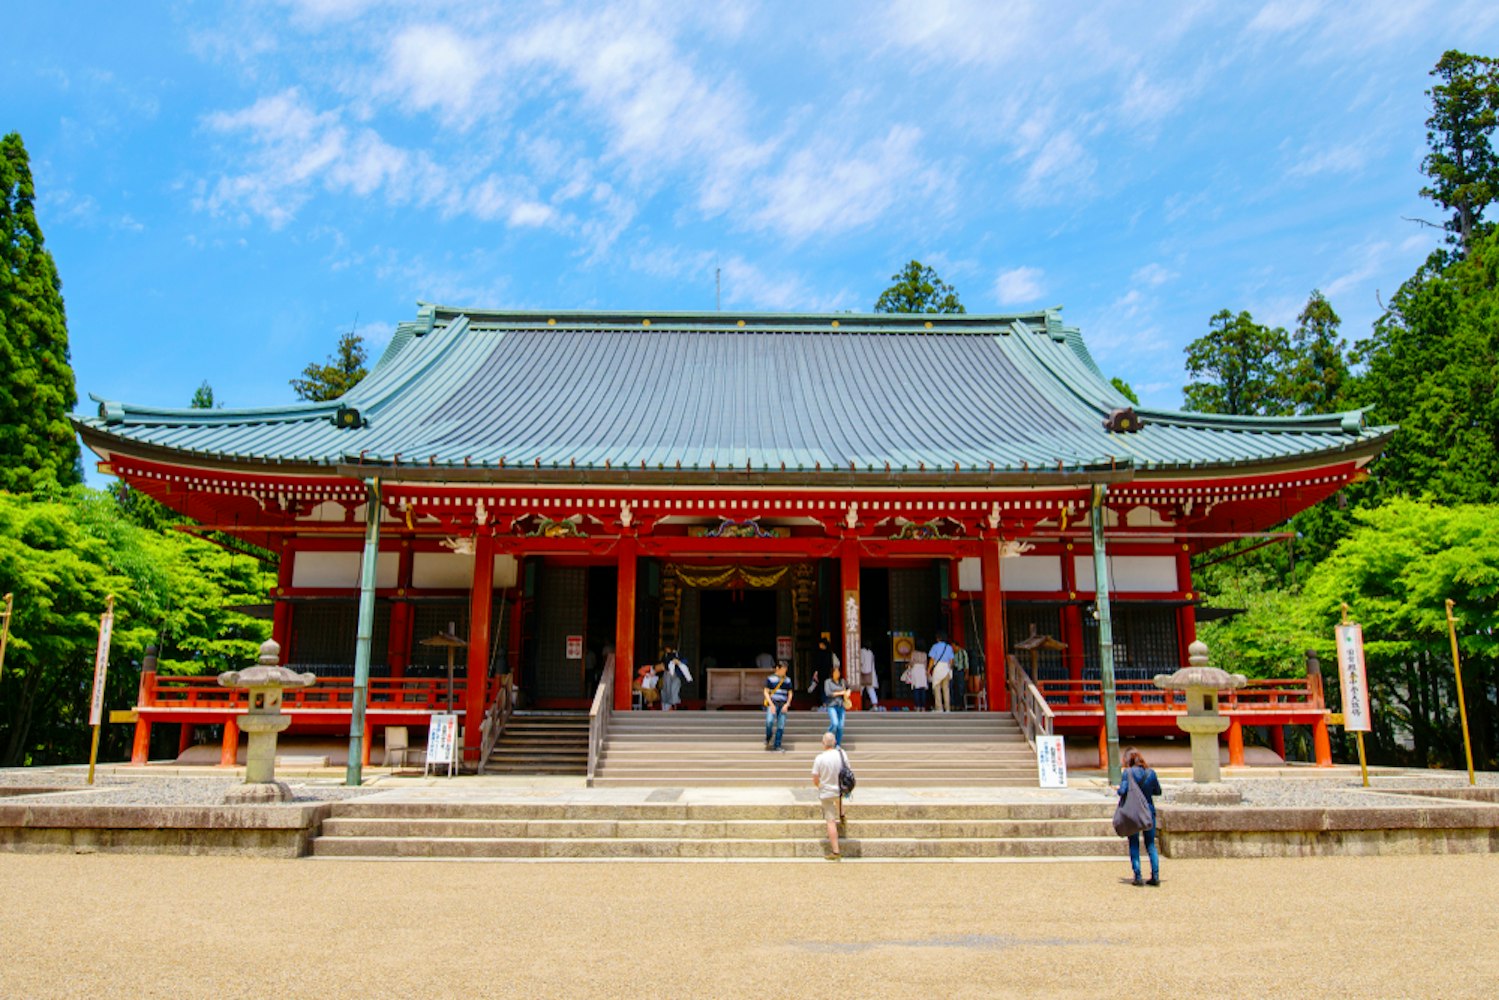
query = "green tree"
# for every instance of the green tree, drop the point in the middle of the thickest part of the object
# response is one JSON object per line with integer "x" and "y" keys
{"x": 1238, "y": 368}
{"x": 62, "y": 555}
{"x": 37, "y": 444}
{"x": 1432, "y": 366}
{"x": 1317, "y": 375}
{"x": 918, "y": 289}
{"x": 203, "y": 397}
{"x": 344, "y": 370}
{"x": 1462, "y": 166}
{"x": 1125, "y": 389}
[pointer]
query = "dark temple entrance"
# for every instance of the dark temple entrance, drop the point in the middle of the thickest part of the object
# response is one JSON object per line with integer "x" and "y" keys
{"x": 736, "y": 626}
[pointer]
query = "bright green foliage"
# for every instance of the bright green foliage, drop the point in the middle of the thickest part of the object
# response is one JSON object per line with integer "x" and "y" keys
{"x": 1395, "y": 571}
{"x": 918, "y": 289}
{"x": 37, "y": 444}
{"x": 1463, "y": 168}
{"x": 203, "y": 397}
{"x": 1269, "y": 639}
{"x": 1238, "y": 367}
{"x": 62, "y": 556}
{"x": 1432, "y": 368}
{"x": 1317, "y": 369}
{"x": 344, "y": 370}
{"x": 1125, "y": 389}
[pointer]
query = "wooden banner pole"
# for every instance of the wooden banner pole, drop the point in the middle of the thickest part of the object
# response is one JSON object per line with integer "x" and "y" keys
{"x": 1462, "y": 704}
{"x": 101, "y": 669}
{"x": 5, "y": 629}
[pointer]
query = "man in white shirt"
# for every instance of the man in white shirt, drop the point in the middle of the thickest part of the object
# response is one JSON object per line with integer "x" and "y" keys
{"x": 825, "y": 768}
{"x": 940, "y": 657}
{"x": 868, "y": 681}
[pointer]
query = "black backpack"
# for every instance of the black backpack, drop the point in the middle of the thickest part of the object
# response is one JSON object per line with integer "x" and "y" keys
{"x": 846, "y": 779}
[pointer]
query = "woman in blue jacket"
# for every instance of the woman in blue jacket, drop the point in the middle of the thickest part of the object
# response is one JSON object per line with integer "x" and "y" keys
{"x": 1136, "y": 768}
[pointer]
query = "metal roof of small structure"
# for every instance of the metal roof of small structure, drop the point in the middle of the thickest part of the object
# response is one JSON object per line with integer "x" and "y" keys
{"x": 498, "y": 394}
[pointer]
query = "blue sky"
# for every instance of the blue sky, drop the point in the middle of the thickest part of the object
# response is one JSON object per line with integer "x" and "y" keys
{"x": 226, "y": 187}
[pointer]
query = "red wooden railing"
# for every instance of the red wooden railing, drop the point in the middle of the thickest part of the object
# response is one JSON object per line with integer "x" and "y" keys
{"x": 1270, "y": 695}
{"x": 414, "y": 694}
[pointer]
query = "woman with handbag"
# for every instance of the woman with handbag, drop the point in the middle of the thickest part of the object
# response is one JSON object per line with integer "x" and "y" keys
{"x": 1136, "y": 814}
{"x": 835, "y": 695}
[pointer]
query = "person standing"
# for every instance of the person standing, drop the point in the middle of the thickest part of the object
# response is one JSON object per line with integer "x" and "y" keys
{"x": 835, "y": 696}
{"x": 869, "y": 681}
{"x": 940, "y": 658}
{"x": 825, "y": 769}
{"x": 777, "y": 704}
{"x": 915, "y": 676}
{"x": 1136, "y": 770}
{"x": 959, "y": 686}
{"x": 673, "y": 672}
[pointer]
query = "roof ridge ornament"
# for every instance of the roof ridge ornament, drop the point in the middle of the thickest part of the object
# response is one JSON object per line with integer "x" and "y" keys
{"x": 1122, "y": 421}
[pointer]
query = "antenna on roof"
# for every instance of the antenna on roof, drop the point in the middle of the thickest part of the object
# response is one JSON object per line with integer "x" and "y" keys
{"x": 718, "y": 289}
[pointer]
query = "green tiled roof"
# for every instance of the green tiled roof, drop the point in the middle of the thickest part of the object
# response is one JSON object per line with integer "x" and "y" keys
{"x": 683, "y": 394}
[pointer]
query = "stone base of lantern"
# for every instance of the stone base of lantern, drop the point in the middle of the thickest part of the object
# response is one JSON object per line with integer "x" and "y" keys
{"x": 1214, "y": 793}
{"x": 259, "y": 793}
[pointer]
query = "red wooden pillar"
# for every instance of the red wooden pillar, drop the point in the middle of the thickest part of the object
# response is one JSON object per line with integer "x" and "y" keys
{"x": 1103, "y": 747}
{"x": 1321, "y": 743}
{"x": 994, "y": 628}
{"x": 1235, "y": 743}
{"x": 481, "y": 605}
{"x": 398, "y": 643}
{"x": 281, "y": 609}
{"x": 364, "y": 750}
{"x": 1278, "y": 740}
{"x": 140, "y": 747}
{"x": 229, "y": 752}
{"x": 849, "y": 614}
{"x": 1186, "y": 615}
{"x": 185, "y": 739}
{"x": 624, "y": 624}
{"x": 1072, "y": 627}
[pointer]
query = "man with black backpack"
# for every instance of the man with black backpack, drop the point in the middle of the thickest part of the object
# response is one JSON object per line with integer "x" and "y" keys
{"x": 833, "y": 778}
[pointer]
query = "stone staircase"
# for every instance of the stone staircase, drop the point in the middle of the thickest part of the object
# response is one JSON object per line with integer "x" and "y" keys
{"x": 541, "y": 743}
{"x": 1050, "y": 831}
{"x": 884, "y": 748}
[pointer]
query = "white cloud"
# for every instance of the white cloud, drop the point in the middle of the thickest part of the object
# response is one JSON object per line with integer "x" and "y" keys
{"x": 1152, "y": 274}
{"x": 1339, "y": 159}
{"x": 1018, "y": 286}
{"x": 1283, "y": 15}
{"x": 432, "y": 67}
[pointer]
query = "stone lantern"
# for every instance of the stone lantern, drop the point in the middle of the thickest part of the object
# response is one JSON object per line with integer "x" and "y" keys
{"x": 263, "y": 720}
{"x": 1203, "y": 723}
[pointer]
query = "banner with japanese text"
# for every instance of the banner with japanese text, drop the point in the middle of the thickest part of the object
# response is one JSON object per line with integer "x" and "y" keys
{"x": 1354, "y": 682}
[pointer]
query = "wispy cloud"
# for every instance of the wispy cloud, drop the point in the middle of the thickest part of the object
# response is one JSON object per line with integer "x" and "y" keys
{"x": 1018, "y": 286}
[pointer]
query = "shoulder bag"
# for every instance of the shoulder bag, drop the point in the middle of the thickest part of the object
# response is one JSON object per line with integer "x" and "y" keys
{"x": 1133, "y": 813}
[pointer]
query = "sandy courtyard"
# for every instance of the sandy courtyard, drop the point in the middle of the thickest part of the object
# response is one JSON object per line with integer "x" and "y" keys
{"x": 137, "y": 926}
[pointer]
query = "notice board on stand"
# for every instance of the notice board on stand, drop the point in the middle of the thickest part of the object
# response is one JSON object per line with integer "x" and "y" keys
{"x": 442, "y": 743}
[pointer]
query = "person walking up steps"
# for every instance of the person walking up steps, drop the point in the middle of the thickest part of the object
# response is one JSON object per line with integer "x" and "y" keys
{"x": 835, "y": 696}
{"x": 777, "y": 704}
{"x": 825, "y": 769}
{"x": 940, "y": 658}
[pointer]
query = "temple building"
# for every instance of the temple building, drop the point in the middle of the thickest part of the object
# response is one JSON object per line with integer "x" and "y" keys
{"x": 557, "y": 486}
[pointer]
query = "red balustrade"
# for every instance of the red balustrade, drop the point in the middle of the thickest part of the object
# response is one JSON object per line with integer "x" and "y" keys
{"x": 414, "y": 694}
{"x": 1273, "y": 695}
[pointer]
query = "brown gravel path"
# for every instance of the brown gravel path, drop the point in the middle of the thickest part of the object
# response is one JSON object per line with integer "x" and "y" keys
{"x": 136, "y": 926}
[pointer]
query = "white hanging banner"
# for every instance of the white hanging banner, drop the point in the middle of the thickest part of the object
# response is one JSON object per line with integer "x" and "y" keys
{"x": 101, "y": 665}
{"x": 1353, "y": 679}
{"x": 1051, "y": 761}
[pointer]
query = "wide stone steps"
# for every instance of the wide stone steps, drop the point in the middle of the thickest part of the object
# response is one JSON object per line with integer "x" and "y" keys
{"x": 1038, "y": 831}
{"x": 885, "y": 748}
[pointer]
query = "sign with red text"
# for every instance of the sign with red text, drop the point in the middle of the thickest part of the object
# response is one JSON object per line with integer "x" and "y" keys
{"x": 1051, "y": 761}
{"x": 574, "y": 647}
{"x": 785, "y": 648}
{"x": 1357, "y": 716}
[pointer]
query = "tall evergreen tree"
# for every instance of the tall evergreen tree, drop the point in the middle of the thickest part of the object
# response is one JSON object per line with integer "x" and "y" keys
{"x": 37, "y": 444}
{"x": 1318, "y": 370}
{"x": 1238, "y": 367}
{"x": 344, "y": 370}
{"x": 1462, "y": 164}
{"x": 918, "y": 289}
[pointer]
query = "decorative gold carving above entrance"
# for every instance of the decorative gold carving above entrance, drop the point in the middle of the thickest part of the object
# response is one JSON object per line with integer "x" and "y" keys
{"x": 540, "y": 526}
{"x": 936, "y": 528}
{"x": 730, "y": 528}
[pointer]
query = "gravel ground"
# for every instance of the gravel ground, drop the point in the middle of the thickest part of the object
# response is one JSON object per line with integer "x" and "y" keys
{"x": 175, "y": 791}
{"x": 101, "y": 926}
{"x": 1306, "y": 793}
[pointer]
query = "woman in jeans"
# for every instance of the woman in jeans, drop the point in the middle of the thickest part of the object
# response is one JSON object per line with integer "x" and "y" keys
{"x": 833, "y": 693}
{"x": 1136, "y": 769}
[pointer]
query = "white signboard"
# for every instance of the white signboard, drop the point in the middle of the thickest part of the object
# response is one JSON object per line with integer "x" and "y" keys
{"x": 1051, "y": 761}
{"x": 442, "y": 740}
{"x": 785, "y": 648}
{"x": 1355, "y": 683}
{"x": 574, "y": 647}
{"x": 850, "y": 633}
{"x": 101, "y": 666}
